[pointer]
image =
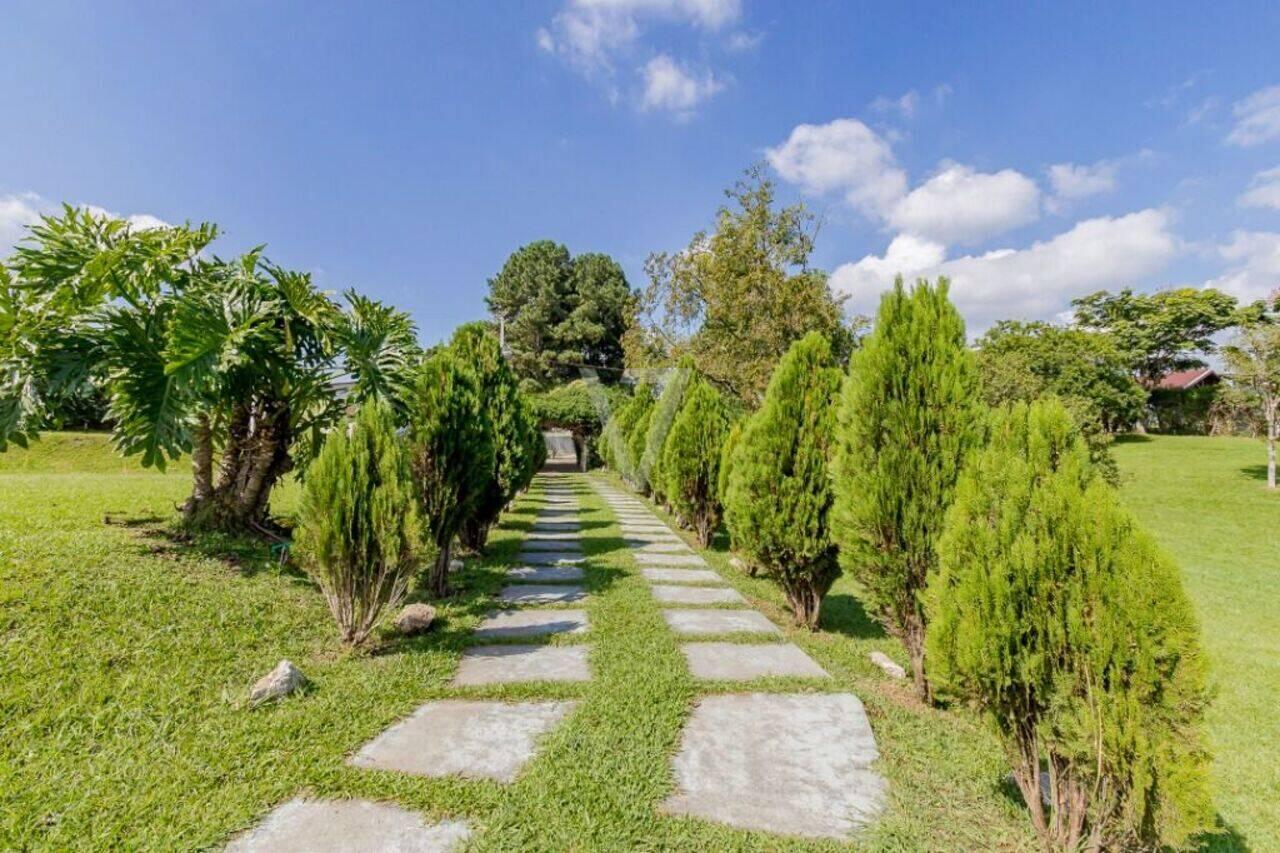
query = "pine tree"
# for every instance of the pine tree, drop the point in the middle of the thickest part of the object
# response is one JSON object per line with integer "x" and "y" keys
{"x": 728, "y": 457}
{"x": 659, "y": 425}
{"x": 1062, "y": 621}
{"x": 779, "y": 496}
{"x": 635, "y": 438}
{"x": 691, "y": 458}
{"x": 453, "y": 454}
{"x": 620, "y": 429}
{"x": 358, "y": 531}
{"x": 909, "y": 415}
{"x": 510, "y": 424}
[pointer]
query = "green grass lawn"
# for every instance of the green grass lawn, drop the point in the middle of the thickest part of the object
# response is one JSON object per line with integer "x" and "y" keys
{"x": 1205, "y": 500}
{"x": 127, "y": 658}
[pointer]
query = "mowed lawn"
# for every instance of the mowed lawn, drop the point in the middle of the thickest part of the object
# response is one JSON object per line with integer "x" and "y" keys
{"x": 126, "y": 658}
{"x": 1205, "y": 500}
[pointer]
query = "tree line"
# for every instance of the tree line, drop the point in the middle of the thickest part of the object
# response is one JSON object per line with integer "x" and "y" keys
{"x": 986, "y": 538}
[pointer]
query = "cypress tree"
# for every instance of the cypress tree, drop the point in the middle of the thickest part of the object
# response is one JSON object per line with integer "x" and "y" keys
{"x": 664, "y": 415}
{"x": 621, "y": 428}
{"x": 510, "y": 424}
{"x": 728, "y": 457}
{"x": 358, "y": 533}
{"x": 1063, "y": 622}
{"x": 453, "y": 454}
{"x": 909, "y": 415}
{"x": 691, "y": 458}
{"x": 636, "y": 436}
{"x": 779, "y": 495}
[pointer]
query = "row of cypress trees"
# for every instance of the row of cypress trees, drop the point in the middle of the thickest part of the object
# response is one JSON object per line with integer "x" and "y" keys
{"x": 986, "y": 541}
{"x": 387, "y": 496}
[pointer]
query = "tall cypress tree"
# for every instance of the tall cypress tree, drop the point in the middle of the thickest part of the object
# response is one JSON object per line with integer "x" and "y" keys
{"x": 664, "y": 414}
{"x": 510, "y": 424}
{"x": 452, "y": 447}
{"x": 691, "y": 458}
{"x": 909, "y": 415}
{"x": 1053, "y": 614}
{"x": 779, "y": 495}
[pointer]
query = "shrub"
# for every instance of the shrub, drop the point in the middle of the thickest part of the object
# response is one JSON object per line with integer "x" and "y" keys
{"x": 512, "y": 430}
{"x": 452, "y": 447}
{"x": 619, "y": 429}
{"x": 636, "y": 436}
{"x": 779, "y": 490}
{"x": 908, "y": 417}
{"x": 1053, "y": 614}
{"x": 728, "y": 457}
{"x": 659, "y": 425}
{"x": 691, "y": 458}
{"x": 358, "y": 531}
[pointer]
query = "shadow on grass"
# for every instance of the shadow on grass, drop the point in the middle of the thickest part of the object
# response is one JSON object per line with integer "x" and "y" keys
{"x": 1255, "y": 472}
{"x": 246, "y": 555}
{"x": 844, "y": 614}
{"x": 1132, "y": 438}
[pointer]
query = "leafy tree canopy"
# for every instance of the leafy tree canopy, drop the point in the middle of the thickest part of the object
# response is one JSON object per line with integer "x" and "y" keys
{"x": 1163, "y": 331}
{"x": 560, "y": 312}
{"x": 735, "y": 299}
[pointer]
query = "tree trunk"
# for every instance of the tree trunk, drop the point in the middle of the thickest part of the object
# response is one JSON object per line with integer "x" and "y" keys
{"x": 201, "y": 466}
{"x": 706, "y": 530}
{"x": 913, "y": 639}
{"x": 474, "y": 535}
{"x": 1271, "y": 444}
{"x": 440, "y": 572}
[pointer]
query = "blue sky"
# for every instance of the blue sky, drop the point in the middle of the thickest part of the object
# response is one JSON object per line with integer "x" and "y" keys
{"x": 1034, "y": 152}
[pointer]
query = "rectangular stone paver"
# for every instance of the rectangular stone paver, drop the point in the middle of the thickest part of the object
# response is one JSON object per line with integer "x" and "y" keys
{"x": 672, "y": 560}
{"x": 556, "y": 526}
{"x": 719, "y": 622}
{"x": 531, "y": 623}
{"x": 703, "y": 576}
{"x": 337, "y": 826}
{"x": 788, "y": 764}
{"x": 541, "y": 594}
{"x": 545, "y": 574}
{"x": 674, "y": 545}
{"x": 551, "y": 545}
{"x": 697, "y": 595}
{"x": 552, "y": 536}
{"x": 745, "y": 661}
{"x": 508, "y": 664}
{"x": 549, "y": 558}
{"x": 478, "y": 740}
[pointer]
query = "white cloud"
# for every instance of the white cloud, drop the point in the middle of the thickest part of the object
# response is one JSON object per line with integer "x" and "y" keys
{"x": 669, "y": 86}
{"x": 959, "y": 205}
{"x": 844, "y": 155}
{"x": 1253, "y": 271}
{"x": 1264, "y": 190}
{"x": 16, "y": 213}
{"x": 1257, "y": 118}
{"x": 1036, "y": 282}
{"x": 588, "y": 33}
{"x": 905, "y": 105}
{"x": 741, "y": 41}
{"x": 1071, "y": 181}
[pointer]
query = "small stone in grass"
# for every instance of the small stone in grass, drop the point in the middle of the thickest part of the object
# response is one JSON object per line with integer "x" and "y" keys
{"x": 276, "y": 684}
{"x": 891, "y": 669}
{"x": 455, "y": 565}
{"x": 415, "y": 619}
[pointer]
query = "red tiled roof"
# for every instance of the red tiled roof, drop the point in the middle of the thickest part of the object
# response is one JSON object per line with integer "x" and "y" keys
{"x": 1180, "y": 380}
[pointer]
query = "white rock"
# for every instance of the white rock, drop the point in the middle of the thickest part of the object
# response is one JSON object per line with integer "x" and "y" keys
{"x": 276, "y": 684}
{"x": 887, "y": 664}
{"x": 455, "y": 565}
{"x": 737, "y": 563}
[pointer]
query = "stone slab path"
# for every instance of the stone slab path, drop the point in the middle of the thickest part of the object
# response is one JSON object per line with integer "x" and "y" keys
{"x": 531, "y": 623}
{"x": 794, "y": 764}
{"x": 478, "y": 740}
{"x": 550, "y": 557}
{"x": 541, "y": 594}
{"x": 743, "y": 662}
{"x": 546, "y": 574}
{"x": 340, "y": 826}
{"x": 510, "y": 664}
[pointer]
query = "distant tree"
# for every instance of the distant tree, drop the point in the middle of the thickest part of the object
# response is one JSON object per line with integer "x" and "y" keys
{"x": 737, "y": 298}
{"x": 779, "y": 494}
{"x": 451, "y": 442}
{"x": 1065, "y": 624}
{"x": 358, "y": 532}
{"x": 560, "y": 312}
{"x": 512, "y": 430}
{"x": 625, "y": 423}
{"x": 1253, "y": 362}
{"x": 664, "y": 414}
{"x": 1164, "y": 331}
{"x": 691, "y": 458}
{"x": 909, "y": 416}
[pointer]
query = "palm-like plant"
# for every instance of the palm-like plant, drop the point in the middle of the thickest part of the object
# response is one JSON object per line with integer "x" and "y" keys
{"x": 196, "y": 354}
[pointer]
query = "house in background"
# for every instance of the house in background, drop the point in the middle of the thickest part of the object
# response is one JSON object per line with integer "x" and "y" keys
{"x": 1181, "y": 401}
